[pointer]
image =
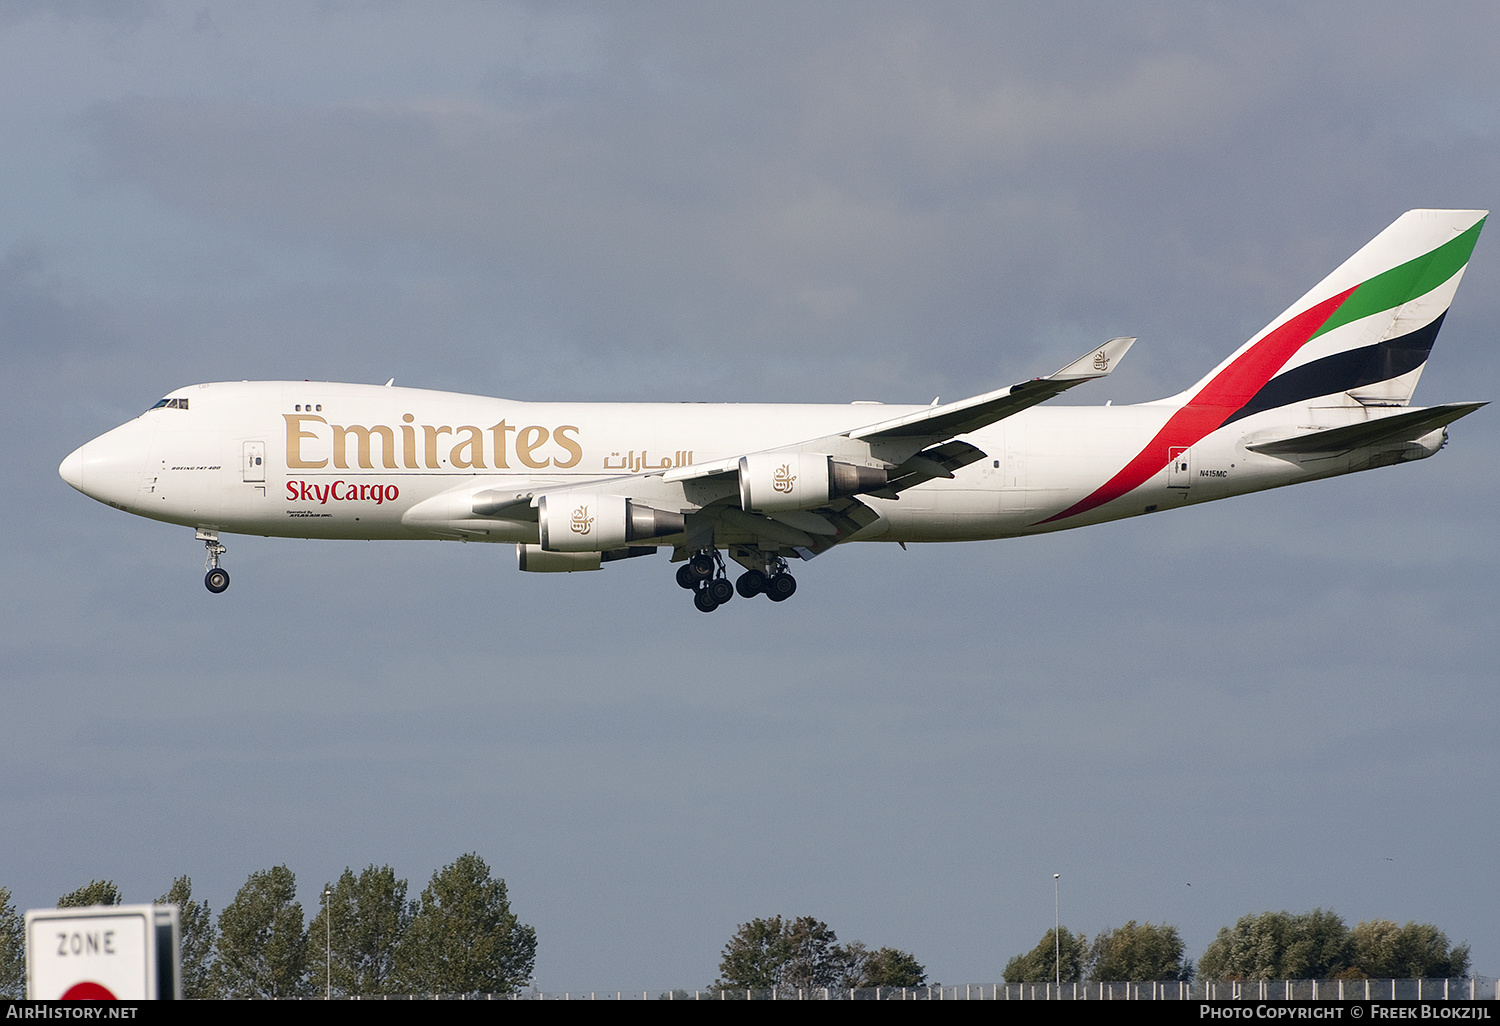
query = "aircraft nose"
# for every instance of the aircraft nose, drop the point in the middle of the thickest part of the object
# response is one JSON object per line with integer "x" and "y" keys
{"x": 71, "y": 469}
{"x": 111, "y": 467}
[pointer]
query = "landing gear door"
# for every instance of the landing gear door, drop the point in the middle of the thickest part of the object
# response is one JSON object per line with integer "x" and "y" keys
{"x": 255, "y": 461}
{"x": 1179, "y": 468}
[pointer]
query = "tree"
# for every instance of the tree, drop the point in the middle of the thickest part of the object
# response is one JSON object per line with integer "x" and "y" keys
{"x": 1278, "y": 946}
{"x": 813, "y": 955}
{"x": 885, "y": 967}
{"x": 1040, "y": 964}
{"x": 364, "y": 920}
{"x": 12, "y": 949}
{"x": 804, "y": 953}
{"x": 96, "y": 892}
{"x": 755, "y": 956}
{"x": 1135, "y": 952}
{"x": 777, "y": 952}
{"x": 464, "y": 938}
{"x": 262, "y": 945}
{"x": 196, "y": 925}
{"x": 1380, "y": 948}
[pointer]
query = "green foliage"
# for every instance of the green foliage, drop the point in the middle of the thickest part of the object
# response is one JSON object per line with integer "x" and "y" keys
{"x": 888, "y": 967}
{"x": 1278, "y": 946}
{"x": 755, "y": 956}
{"x": 1134, "y": 952}
{"x": 805, "y": 953}
{"x": 464, "y": 938}
{"x": 779, "y": 952}
{"x": 12, "y": 949}
{"x": 1317, "y": 945}
{"x": 1380, "y": 948}
{"x": 813, "y": 955}
{"x": 1040, "y": 964}
{"x": 196, "y": 924}
{"x": 363, "y": 923}
{"x": 262, "y": 944}
{"x": 96, "y": 892}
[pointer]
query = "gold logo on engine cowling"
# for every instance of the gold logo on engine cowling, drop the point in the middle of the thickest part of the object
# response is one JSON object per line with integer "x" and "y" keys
{"x": 783, "y": 479}
{"x": 1101, "y": 361}
{"x": 581, "y": 523}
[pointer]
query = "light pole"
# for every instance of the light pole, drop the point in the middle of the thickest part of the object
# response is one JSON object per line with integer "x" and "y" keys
{"x": 1056, "y": 931}
{"x": 328, "y": 944}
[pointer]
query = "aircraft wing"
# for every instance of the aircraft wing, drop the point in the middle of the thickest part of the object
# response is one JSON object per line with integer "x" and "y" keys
{"x": 939, "y": 423}
{"x": 967, "y": 415}
{"x": 912, "y": 449}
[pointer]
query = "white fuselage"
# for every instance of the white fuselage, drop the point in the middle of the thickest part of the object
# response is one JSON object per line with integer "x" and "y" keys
{"x": 325, "y": 460}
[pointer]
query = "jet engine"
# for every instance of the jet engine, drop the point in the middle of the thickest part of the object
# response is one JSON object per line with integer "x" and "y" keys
{"x": 593, "y": 522}
{"x": 799, "y": 480}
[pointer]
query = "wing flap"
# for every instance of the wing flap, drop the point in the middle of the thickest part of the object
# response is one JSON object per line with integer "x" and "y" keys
{"x": 848, "y": 518}
{"x": 938, "y": 461}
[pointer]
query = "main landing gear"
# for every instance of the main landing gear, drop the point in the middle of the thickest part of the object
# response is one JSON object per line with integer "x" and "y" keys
{"x": 217, "y": 578}
{"x": 704, "y": 575}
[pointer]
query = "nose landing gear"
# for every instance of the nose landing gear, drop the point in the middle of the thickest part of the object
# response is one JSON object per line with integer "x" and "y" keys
{"x": 217, "y": 578}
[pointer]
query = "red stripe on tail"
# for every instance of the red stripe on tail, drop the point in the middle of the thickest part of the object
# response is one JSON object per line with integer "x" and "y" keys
{"x": 1215, "y": 403}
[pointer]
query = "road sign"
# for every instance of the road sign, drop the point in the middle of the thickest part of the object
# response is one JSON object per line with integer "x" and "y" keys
{"x": 102, "y": 953}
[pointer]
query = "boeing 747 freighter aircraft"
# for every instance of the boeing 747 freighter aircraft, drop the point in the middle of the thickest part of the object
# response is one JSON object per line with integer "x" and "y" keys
{"x": 1324, "y": 389}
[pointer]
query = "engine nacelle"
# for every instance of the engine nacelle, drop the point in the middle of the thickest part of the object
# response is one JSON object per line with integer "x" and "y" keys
{"x": 537, "y": 560}
{"x": 801, "y": 480}
{"x": 595, "y": 522}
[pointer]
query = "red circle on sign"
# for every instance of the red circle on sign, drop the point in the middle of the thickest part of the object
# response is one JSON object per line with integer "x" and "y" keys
{"x": 87, "y": 991}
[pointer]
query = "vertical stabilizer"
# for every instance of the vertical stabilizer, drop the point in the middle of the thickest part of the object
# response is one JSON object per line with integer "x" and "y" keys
{"x": 1359, "y": 338}
{"x": 1362, "y": 334}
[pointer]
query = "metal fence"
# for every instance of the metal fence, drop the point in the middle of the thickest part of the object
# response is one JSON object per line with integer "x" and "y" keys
{"x": 1477, "y": 988}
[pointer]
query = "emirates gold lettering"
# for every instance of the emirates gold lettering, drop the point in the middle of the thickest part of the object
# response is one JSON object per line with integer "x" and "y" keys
{"x": 474, "y": 445}
{"x": 499, "y": 431}
{"x": 409, "y": 442}
{"x": 783, "y": 479}
{"x": 372, "y": 447}
{"x": 431, "y": 434}
{"x": 574, "y": 450}
{"x": 294, "y": 437}
{"x": 362, "y": 435}
{"x": 529, "y": 440}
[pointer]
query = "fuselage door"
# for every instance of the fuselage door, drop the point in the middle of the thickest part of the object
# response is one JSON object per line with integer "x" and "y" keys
{"x": 1179, "y": 468}
{"x": 1012, "y": 470}
{"x": 255, "y": 461}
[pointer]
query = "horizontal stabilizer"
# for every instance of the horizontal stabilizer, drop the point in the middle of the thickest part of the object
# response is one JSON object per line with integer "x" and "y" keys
{"x": 1407, "y": 426}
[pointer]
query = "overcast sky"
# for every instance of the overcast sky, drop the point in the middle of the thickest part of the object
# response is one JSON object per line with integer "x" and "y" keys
{"x": 1284, "y": 701}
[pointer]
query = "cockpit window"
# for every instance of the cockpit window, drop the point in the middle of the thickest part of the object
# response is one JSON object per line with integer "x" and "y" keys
{"x": 170, "y": 404}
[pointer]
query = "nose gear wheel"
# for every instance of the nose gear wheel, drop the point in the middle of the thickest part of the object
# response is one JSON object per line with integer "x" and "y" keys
{"x": 217, "y": 578}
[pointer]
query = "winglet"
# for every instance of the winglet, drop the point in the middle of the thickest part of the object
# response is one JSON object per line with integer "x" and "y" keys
{"x": 1096, "y": 364}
